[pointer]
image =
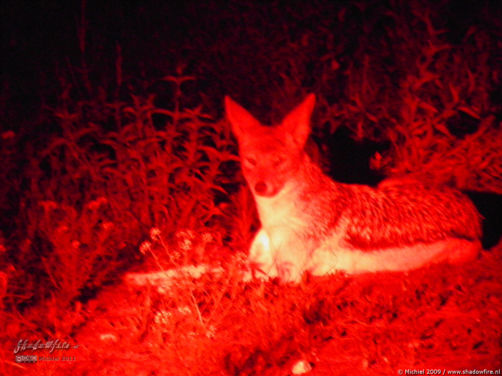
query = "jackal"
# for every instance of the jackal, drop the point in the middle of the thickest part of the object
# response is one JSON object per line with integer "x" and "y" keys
{"x": 312, "y": 223}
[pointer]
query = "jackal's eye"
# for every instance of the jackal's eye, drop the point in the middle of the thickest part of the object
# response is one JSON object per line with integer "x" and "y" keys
{"x": 250, "y": 161}
{"x": 277, "y": 161}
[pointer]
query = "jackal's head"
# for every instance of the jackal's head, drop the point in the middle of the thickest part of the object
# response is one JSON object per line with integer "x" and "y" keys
{"x": 270, "y": 155}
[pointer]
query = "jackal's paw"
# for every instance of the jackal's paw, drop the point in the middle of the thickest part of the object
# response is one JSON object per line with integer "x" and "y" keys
{"x": 289, "y": 272}
{"x": 262, "y": 271}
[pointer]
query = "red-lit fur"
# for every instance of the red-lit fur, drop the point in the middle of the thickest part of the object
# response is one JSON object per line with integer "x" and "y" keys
{"x": 311, "y": 223}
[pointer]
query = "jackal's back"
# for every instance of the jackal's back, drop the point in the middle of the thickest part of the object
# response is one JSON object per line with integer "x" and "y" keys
{"x": 405, "y": 214}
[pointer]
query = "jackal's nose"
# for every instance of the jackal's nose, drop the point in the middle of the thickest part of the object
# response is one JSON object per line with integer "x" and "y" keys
{"x": 260, "y": 188}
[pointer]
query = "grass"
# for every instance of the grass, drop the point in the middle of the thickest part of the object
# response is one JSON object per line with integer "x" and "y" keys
{"x": 443, "y": 317}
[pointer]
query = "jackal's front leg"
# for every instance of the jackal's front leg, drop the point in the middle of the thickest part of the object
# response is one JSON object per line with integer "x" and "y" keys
{"x": 279, "y": 253}
{"x": 261, "y": 255}
{"x": 291, "y": 257}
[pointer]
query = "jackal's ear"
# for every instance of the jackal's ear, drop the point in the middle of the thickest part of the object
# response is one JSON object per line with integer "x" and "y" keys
{"x": 297, "y": 123}
{"x": 241, "y": 120}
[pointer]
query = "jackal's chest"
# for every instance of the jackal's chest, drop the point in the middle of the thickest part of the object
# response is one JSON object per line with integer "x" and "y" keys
{"x": 281, "y": 213}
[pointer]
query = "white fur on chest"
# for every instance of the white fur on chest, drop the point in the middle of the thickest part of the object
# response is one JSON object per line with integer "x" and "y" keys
{"x": 280, "y": 210}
